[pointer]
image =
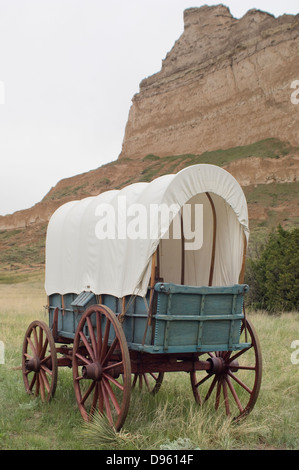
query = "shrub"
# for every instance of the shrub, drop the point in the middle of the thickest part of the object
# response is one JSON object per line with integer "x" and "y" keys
{"x": 274, "y": 275}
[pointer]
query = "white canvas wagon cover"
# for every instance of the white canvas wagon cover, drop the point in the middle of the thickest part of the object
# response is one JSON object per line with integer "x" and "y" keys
{"x": 104, "y": 244}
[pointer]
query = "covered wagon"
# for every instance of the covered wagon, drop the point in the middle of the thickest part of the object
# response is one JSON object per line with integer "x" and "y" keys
{"x": 143, "y": 281}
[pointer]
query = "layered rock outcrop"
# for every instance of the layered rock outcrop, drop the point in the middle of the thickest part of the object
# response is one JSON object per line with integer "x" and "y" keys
{"x": 226, "y": 82}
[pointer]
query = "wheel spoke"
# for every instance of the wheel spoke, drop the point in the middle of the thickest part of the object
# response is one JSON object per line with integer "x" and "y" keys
{"x": 37, "y": 388}
{"x": 93, "y": 339}
{"x": 45, "y": 369}
{"x": 202, "y": 381}
{"x": 155, "y": 376}
{"x": 110, "y": 351}
{"x": 83, "y": 358}
{"x": 107, "y": 404}
{"x": 28, "y": 356}
{"x": 105, "y": 341}
{"x": 45, "y": 380}
{"x": 44, "y": 348}
{"x": 247, "y": 368}
{"x": 151, "y": 380}
{"x": 95, "y": 399}
{"x": 225, "y": 395}
{"x": 146, "y": 381}
{"x": 240, "y": 382}
{"x": 140, "y": 381}
{"x": 32, "y": 381}
{"x": 100, "y": 399}
{"x": 234, "y": 394}
{"x": 42, "y": 386}
{"x": 112, "y": 396}
{"x": 112, "y": 366}
{"x": 40, "y": 342}
{"x": 32, "y": 346}
{"x": 36, "y": 341}
{"x": 239, "y": 353}
{"x": 45, "y": 359}
{"x": 87, "y": 345}
{"x": 114, "y": 381}
{"x": 212, "y": 386}
{"x": 99, "y": 330}
{"x": 87, "y": 393}
{"x": 218, "y": 393}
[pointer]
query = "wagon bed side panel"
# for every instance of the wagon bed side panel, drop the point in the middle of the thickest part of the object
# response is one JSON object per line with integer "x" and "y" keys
{"x": 198, "y": 319}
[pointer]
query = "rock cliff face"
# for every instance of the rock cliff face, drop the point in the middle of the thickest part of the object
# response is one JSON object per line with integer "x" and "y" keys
{"x": 226, "y": 82}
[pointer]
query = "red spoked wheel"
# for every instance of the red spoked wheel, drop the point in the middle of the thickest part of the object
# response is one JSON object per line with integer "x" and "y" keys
{"x": 152, "y": 382}
{"x": 39, "y": 361}
{"x": 101, "y": 366}
{"x": 234, "y": 379}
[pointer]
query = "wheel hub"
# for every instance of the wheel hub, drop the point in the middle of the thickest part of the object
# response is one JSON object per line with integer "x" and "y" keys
{"x": 217, "y": 365}
{"x": 220, "y": 366}
{"x": 33, "y": 365}
{"x": 92, "y": 371}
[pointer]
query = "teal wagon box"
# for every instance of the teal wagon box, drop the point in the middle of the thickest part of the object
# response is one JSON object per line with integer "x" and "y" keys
{"x": 186, "y": 318}
{"x": 198, "y": 319}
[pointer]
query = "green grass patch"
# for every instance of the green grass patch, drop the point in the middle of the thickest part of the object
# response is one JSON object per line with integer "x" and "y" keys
{"x": 268, "y": 148}
{"x": 32, "y": 253}
{"x": 7, "y": 234}
{"x": 67, "y": 191}
{"x": 271, "y": 195}
{"x": 23, "y": 247}
{"x": 151, "y": 158}
{"x": 11, "y": 277}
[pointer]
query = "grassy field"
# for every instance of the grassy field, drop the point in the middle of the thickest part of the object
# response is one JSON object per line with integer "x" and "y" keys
{"x": 169, "y": 420}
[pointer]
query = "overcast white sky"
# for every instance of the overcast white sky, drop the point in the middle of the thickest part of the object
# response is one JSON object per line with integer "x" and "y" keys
{"x": 69, "y": 69}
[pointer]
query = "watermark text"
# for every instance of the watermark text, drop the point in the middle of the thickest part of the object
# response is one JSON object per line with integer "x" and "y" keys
{"x": 2, "y": 352}
{"x": 137, "y": 221}
{"x": 295, "y": 354}
{"x": 2, "y": 92}
{"x": 295, "y": 94}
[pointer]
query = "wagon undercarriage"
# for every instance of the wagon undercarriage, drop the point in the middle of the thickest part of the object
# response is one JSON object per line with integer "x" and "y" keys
{"x": 105, "y": 371}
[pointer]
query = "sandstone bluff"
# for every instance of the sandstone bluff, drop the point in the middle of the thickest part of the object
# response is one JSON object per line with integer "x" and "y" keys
{"x": 226, "y": 82}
